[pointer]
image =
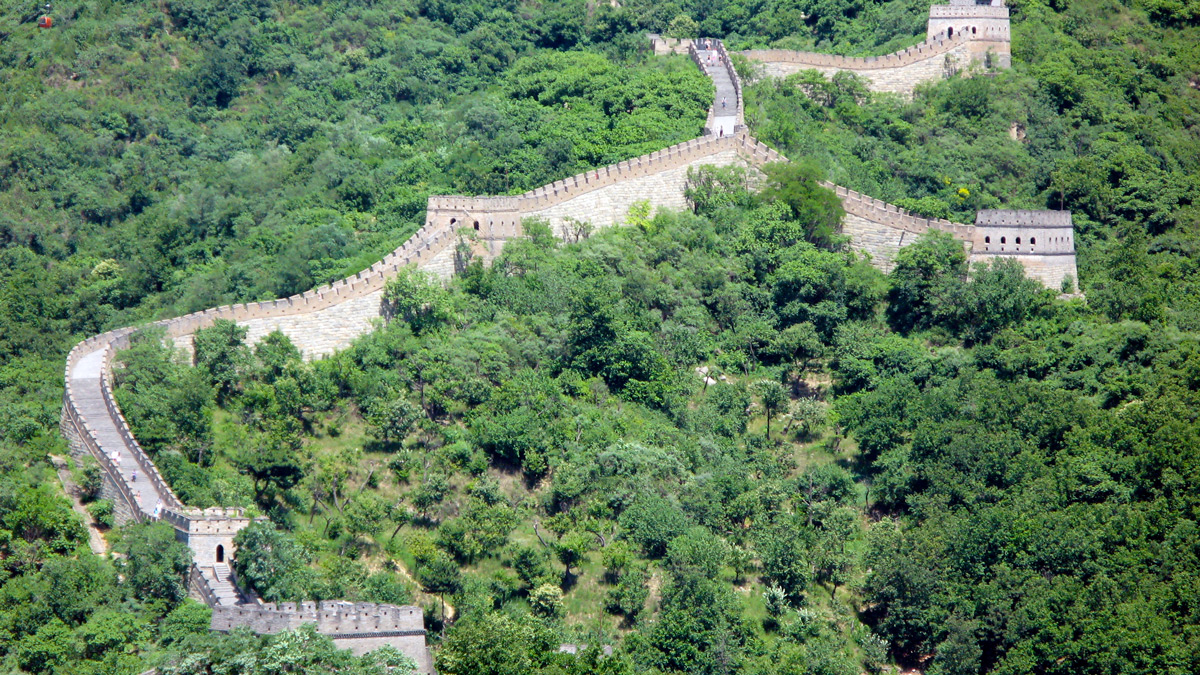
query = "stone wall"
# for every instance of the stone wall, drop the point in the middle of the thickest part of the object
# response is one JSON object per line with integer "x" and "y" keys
{"x": 330, "y": 317}
{"x": 204, "y": 530}
{"x": 610, "y": 205}
{"x": 1050, "y": 269}
{"x": 359, "y": 627}
{"x": 898, "y": 73}
{"x": 1043, "y": 242}
{"x": 601, "y": 196}
{"x": 958, "y": 35}
{"x": 987, "y": 26}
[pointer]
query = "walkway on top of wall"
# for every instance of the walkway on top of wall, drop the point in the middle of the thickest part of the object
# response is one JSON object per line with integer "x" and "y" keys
{"x": 89, "y": 397}
{"x": 724, "y": 116}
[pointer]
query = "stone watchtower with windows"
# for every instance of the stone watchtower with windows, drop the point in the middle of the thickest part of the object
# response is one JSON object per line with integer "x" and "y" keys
{"x": 984, "y": 21}
{"x": 1042, "y": 241}
{"x": 210, "y": 533}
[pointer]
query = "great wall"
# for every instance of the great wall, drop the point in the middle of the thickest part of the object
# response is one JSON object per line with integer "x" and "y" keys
{"x": 329, "y": 318}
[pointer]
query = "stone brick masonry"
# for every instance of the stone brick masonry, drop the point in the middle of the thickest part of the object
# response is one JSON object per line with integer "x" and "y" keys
{"x": 328, "y": 318}
{"x": 959, "y": 35}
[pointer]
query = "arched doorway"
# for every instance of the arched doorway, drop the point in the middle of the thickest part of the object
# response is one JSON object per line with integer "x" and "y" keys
{"x": 220, "y": 553}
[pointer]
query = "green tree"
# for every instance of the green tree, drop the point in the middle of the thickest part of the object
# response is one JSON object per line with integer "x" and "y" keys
{"x": 276, "y": 355}
{"x": 926, "y": 282}
{"x": 394, "y": 419}
{"x": 439, "y": 574}
{"x": 272, "y": 563}
{"x": 815, "y": 208}
{"x": 546, "y": 601}
{"x": 418, "y": 299}
{"x": 107, "y": 630}
{"x": 52, "y": 645}
{"x": 652, "y": 522}
{"x": 822, "y": 487}
{"x": 222, "y": 355}
{"x": 190, "y": 618}
{"x": 998, "y": 295}
{"x": 774, "y": 398}
{"x": 156, "y": 565}
{"x": 496, "y": 644}
{"x": 572, "y": 549}
{"x": 272, "y": 465}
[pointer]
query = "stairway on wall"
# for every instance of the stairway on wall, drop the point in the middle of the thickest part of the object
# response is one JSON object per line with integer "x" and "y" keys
{"x": 220, "y": 579}
{"x": 724, "y": 117}
{"x": 89, "y": 399}
{"x": 85, "y": 372}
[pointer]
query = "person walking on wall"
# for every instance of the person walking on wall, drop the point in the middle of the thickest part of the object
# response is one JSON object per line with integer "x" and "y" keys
{"x": 722, "y": 103}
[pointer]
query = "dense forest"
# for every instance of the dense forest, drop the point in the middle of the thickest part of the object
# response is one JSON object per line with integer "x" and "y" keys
{"x": 714, "y": 440}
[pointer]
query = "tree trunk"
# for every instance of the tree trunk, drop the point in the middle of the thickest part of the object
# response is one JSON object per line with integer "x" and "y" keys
{"x": 367, "y": 479}
{"x": 539, "y": 535}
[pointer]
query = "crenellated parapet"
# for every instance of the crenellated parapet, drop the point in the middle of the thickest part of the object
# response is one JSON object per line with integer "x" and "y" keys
{"x": 328, "y": 318}
{"x": 332, "y": 617}
{"x": 936, "y": 45}
{"x": 958, "y": 36}
{"x": 1042, "y": 241}
{"x": 895, "y": 217}
{"x": 357, "y": 626}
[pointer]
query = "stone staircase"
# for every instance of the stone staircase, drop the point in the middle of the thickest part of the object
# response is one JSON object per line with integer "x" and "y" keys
{"x": 724, "y": 116}
{"x": 220, "y": 580}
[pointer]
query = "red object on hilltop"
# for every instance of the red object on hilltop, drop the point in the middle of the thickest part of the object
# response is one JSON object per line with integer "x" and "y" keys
{"x": 45, "y": 22}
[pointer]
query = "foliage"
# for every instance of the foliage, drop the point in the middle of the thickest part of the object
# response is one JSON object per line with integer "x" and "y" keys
{"x": 1025, "y": 461}
{"x": 300, "y": 650}
{"x": 271, "y": 563}
{"x": 156, "y": 565}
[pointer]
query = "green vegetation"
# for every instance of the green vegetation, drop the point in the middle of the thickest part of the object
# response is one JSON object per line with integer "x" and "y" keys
{"x": 540, "y": 452}
{"x": 1096, "y": 116}
{"x": 931, "y": 469}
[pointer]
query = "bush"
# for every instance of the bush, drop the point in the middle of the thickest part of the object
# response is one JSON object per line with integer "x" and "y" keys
{"x": 91, "y": 480}
{"x": 102, "y": 512}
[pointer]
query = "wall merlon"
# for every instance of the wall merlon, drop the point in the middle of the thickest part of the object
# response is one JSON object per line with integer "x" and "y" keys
{"x": 325, "y": 319}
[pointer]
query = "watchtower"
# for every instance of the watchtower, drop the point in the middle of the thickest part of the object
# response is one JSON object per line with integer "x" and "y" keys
{"x": 1042, "y": 241}
{"x": 208, "y": 532}
{"x": 984, "y": 21}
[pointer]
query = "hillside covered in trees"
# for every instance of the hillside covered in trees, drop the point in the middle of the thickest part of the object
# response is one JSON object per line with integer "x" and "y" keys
{"x": 714, "y": 440}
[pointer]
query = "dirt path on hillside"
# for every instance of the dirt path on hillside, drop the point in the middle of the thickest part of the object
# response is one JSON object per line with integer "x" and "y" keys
{"x": 96, "y": 540}
{"x": 450, "y": 611}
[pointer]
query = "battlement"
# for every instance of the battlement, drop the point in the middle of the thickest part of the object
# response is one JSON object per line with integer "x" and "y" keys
{"x": 334, "y": 618}
{"x": 936, "y": 45}
{"x": 441, "y": 209}
{"x": 957, "y": 35}
{"x": 960, "y": 11}
{"x": 213, "y": 521}
{"x": 878, "y": 211}
{"x": 1016, "y": 218}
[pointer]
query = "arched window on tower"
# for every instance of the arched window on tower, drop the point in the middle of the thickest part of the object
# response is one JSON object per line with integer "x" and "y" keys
{"x": 1002, "y": 240}
{"x": 220, "y": 553}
